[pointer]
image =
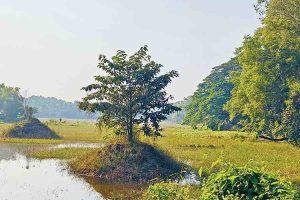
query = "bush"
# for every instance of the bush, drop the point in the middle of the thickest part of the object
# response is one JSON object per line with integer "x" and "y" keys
{"x": 246, "y": 183}
{"x": 167, "y": 191}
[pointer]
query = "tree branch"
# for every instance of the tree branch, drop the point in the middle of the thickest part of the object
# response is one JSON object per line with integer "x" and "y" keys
{"x": 273, "y": 139}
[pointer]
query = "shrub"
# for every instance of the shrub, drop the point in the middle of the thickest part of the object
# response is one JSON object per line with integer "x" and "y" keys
{"x": 246, "y": 183}
{"x": 167, "y": 191}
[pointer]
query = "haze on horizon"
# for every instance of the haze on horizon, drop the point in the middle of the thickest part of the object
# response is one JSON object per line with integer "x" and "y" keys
{"x": 50, "y": 48}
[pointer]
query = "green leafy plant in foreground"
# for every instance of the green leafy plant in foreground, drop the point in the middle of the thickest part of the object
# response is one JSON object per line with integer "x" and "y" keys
{"x": 167, "y": 191}
{"x": 246, "y": 183}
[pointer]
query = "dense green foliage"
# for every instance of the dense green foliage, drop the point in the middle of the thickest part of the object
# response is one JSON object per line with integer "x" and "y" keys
{"x": 50, "y": 107}
{"x": 246, "y": 183}
{"x": 291, "y": 116}
{"x": 267, "y": 89}
{"x": 131, "y": 92}
{"x": 167, "y": 191}
{"x": 11, "y": 104}
{"x": 263, "y": 94}
{"x": 207, "y": 103}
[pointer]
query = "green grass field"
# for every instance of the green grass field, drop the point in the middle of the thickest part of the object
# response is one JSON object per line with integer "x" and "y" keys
{"x": 72, "y": 131}
{"x": 196, "y": 148}
{"x": 201, "y": 148}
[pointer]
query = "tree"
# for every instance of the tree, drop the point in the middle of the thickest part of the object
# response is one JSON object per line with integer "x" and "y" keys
{"x": 131, "y": 92}
{"x": 270, "y": 67}
{"x": 280, "y": 9}
{"x": 28, "y": 110}
{"x": 207, "y": 103}
{"x": 290, "y": 125}
{"x": 11, "y": 104}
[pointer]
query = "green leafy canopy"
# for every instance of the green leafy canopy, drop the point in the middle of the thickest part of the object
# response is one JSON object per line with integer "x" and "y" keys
{"x": 207, "y": 103}
{"x": 131, "y": 92}
{"x": 266, "y": 89}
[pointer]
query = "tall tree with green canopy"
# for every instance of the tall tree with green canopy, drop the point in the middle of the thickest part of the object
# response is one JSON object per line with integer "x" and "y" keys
{"x": 207, "y": 103}
{"x": 131, "y": 92}
{"x": 284, "y": 9}
{"x": 11, "y": 104}
{"x": 265, "y": 90}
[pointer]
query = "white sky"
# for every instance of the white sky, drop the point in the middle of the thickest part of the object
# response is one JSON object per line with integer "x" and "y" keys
{"x": 51, "y": 47}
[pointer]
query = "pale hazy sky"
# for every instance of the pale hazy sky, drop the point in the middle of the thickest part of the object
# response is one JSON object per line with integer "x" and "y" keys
{"x": 51, "y": 47}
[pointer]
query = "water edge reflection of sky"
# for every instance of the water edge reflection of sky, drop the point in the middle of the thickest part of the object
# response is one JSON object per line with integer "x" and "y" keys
{"x": 30, "y": 179}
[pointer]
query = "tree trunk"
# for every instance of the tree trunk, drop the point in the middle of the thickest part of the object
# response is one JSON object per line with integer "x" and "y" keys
{"x": 273, "y": 139}
{"x": 130, "y": 135}
{"x": 130, "y": 131}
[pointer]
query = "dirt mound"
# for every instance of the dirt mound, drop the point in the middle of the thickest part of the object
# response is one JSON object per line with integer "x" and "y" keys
{"x": 32, "y": 128}
{"x": 124, "y": 163}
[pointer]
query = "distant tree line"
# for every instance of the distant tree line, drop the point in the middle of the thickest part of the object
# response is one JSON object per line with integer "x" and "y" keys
{"x": 178, "y": 117}
{"x": 259, "y": 90}
{"x": 51, "y": 107}
{"x": 14, "y": 107}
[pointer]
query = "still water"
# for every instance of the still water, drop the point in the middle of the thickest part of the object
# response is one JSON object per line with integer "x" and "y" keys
{"x": 22, "y": 178}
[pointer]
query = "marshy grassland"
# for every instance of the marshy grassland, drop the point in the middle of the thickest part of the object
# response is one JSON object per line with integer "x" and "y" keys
{"x": 202, "y": 148}
{"x": 197, "y": 148}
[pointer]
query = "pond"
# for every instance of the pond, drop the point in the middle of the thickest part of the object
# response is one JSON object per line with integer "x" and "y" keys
{"x": 22, "y": 178}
